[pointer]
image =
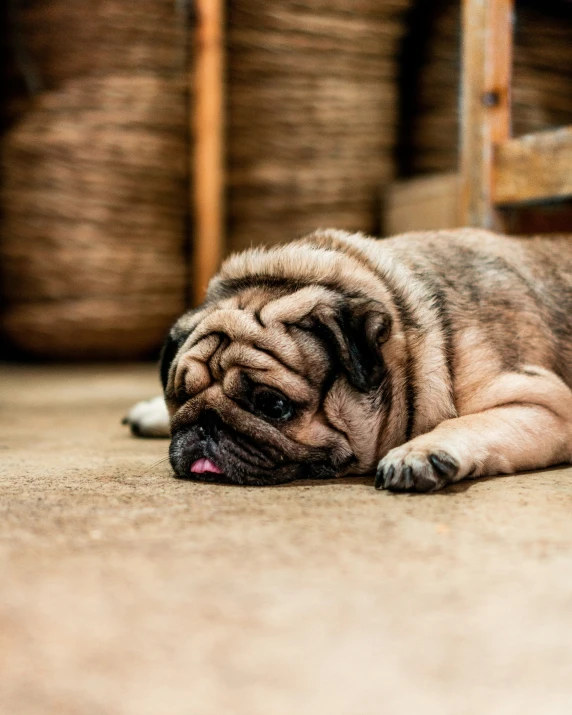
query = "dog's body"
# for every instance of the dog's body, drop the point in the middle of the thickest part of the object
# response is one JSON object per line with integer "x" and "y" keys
{"x": 428, "y": 357}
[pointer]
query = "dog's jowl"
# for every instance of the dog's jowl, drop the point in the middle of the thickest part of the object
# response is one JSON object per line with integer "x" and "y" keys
{"x": 424, "y": 359}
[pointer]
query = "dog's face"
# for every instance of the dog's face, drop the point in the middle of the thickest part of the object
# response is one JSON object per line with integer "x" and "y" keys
{"x": 273, "y": 381}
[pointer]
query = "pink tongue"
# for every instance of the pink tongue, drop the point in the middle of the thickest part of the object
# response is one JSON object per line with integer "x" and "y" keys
{"x": 204, "y": 465}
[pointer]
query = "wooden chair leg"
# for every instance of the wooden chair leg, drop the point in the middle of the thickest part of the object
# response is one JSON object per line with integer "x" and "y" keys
{"x": 496, "y": 171}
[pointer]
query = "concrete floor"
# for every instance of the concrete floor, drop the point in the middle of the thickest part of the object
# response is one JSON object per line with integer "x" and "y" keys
{"x": 127, "y": 592}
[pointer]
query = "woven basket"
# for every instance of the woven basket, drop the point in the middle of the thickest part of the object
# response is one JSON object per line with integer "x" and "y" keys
{"x": 312, "y": 112}
{"x": 94, "y": 196}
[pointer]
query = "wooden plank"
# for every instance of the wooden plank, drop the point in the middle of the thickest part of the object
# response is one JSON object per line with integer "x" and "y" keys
{"x": 421, "y": 204}
{"x": 485, "y": 103}
{"x": 534, "y": 167}
{"x": 534, "y": 185}
{"x": 208, "y": 131}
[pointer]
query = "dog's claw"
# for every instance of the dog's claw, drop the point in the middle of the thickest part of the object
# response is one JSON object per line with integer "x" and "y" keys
{"x": 388, "y": 479}
{"x": 444, "y": 465}
{"x": 407, "y": 478}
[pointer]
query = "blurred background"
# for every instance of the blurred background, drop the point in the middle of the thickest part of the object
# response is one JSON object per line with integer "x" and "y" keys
{"x": 326, "y": 104}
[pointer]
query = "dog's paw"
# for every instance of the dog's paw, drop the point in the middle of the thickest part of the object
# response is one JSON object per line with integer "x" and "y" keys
{"x": 410, "y": 469}
{"x": 149, "y": 418}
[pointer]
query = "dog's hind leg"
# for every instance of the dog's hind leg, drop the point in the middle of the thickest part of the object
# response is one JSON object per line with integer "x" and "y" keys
{"x": 149, "y": 418}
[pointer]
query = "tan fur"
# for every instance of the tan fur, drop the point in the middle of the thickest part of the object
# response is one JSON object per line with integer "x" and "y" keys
{"x": 477, "y": 378}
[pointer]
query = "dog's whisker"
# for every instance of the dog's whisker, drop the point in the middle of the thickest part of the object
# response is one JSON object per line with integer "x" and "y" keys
{"x": 156, "y": 464}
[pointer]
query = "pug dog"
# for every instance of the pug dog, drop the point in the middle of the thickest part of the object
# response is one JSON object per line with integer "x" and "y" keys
{"x": 426, "y": 359}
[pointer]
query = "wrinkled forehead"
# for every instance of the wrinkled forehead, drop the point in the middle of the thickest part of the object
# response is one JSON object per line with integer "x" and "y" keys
{"x": 254, "y": 330}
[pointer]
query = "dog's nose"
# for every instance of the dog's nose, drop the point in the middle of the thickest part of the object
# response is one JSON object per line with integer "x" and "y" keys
{"x": 209, "y": 424}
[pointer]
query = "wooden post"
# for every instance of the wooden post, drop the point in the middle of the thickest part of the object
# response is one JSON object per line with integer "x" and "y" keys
{"x": 485, "y": 104}
{"x": 207, "y": 118}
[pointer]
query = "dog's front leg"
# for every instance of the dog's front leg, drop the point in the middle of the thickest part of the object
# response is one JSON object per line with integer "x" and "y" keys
{"x": 500, "y": 440}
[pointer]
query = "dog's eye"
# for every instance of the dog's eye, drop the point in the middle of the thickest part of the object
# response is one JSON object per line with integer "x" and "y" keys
{"x": 272, "y": 404}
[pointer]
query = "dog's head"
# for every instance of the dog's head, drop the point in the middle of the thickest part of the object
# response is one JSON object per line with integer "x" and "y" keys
{"x": 279, "y": 375}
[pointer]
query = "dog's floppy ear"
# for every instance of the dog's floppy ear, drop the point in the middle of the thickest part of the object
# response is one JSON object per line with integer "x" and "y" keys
{"x": 170, "y": 348}
{"x": 354, "y": 331}
{"x": 174, "y": 340}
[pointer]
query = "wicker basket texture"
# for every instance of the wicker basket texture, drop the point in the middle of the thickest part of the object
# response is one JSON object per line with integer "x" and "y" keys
{"x": 312, "y": 114}
{"x": 94, "y": 196}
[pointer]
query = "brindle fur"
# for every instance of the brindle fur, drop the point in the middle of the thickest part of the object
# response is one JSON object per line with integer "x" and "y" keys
{"x": 425, "y": 358}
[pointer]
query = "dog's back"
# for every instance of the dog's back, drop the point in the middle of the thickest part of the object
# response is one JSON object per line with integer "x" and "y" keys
{"x": 515, "y": 292}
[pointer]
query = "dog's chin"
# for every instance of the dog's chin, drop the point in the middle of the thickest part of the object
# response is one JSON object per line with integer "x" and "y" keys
{"x": 226, "y": 462}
